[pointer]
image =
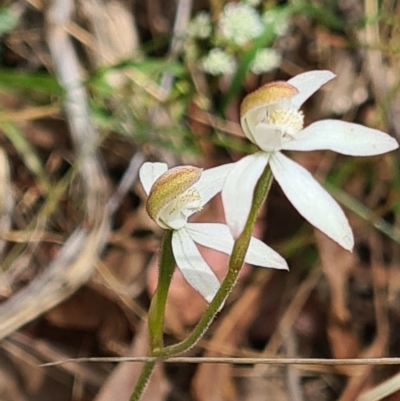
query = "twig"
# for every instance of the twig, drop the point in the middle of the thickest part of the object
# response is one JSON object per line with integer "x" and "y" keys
{"x": 180, "y": 28}
{"x": 238, "y": 361}
{"x": 6, "y": 198}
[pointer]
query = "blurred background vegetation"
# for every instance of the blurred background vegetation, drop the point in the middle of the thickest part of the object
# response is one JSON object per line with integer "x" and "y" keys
{"x": 89, "y": 90}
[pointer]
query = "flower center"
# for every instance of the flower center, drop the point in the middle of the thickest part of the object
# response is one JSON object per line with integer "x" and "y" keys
{"x": 175, "y": 214}
{"x": 291, "y": 121}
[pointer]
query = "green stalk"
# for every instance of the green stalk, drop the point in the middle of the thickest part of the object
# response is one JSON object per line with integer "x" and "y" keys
{"x": 157, "y": 312}
{"x": 143, "y": 380}
{"x": 236, "y": 262}
{"x": 157, "y": 306}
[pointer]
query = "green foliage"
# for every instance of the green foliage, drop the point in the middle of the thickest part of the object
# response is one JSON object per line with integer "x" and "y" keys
{"x": 27, "y": 152}
{"x": 126, "y": 98}
{"x": 31, "y": 84}
{"x": 321, "y": 13}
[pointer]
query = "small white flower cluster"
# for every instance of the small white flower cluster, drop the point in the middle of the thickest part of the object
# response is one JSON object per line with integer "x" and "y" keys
{"x": 218, "y": 62}
{"x": 278, "y": 20}
{"x": 239, "y": 23}
{"x": 265, "y": 60}
{"x": 200, "y": 26}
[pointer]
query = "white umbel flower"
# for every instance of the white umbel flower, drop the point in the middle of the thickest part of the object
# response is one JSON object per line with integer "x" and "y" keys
{"x": 265, "y": 60}
{"x": 217, "y": 62}
{"x": 201, "y": 26}
{"x": 271, "y": 119}
{"x": 278, "y": 20}
{"x": 239, "y": 23}
{"x": 176, "y": 194}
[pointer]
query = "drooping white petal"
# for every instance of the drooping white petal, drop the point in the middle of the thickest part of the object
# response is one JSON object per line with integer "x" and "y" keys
{"x": 260, "y": 254}
{"x": 212, "y": 235}
{"x": 307, "y": 84}
{"x": 343, "y": 137}
{"x": 311, "y": 200}
{"x": 192, "y": 265}
{"x": 211, "y": 181}
{"x": 217, "y": 236}
{"x": 237, "y": 194}
{"x": 149, "y": 173}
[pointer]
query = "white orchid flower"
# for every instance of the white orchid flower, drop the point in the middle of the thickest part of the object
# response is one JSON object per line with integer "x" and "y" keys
{"x": 176, "y": 194}
{"x": 271, "y": 119}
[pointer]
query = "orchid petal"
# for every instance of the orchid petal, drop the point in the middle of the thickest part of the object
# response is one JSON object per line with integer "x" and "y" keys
{"x": 192, "y": 265}
{"x": 311, "y": 200}
{"x": 307, "y": 84}
{"x": 343, "y": 137}
{"x": 217, "y": 236}
{"x": 212, "y": 235}
{"x": 250, "y": 121}
{"x": 211, "y": 181}
{"x": 268, "y": 137}
{"x": 237, "y": 194}
{"x": 260, "y": 254}
{"x": 149, "y": 173}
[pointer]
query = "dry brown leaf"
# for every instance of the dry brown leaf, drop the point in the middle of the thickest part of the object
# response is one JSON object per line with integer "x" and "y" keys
{"x": 10, "y": 388}
{"x": 115, "y": 37}
{"x": 261, "y": 388}
{"x": 349, "y": 89}
{"x": 88, "y": 310}
{"x": 337, "y": 265}
{"x": 379, "y": 344}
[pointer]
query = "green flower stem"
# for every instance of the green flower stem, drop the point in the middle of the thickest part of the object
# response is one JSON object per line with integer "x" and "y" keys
{"x": 235, "y": 264}
{"x": 157, "y": 312}
{"x": 159, "y": 300}
{"x": 142, "y": 381}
